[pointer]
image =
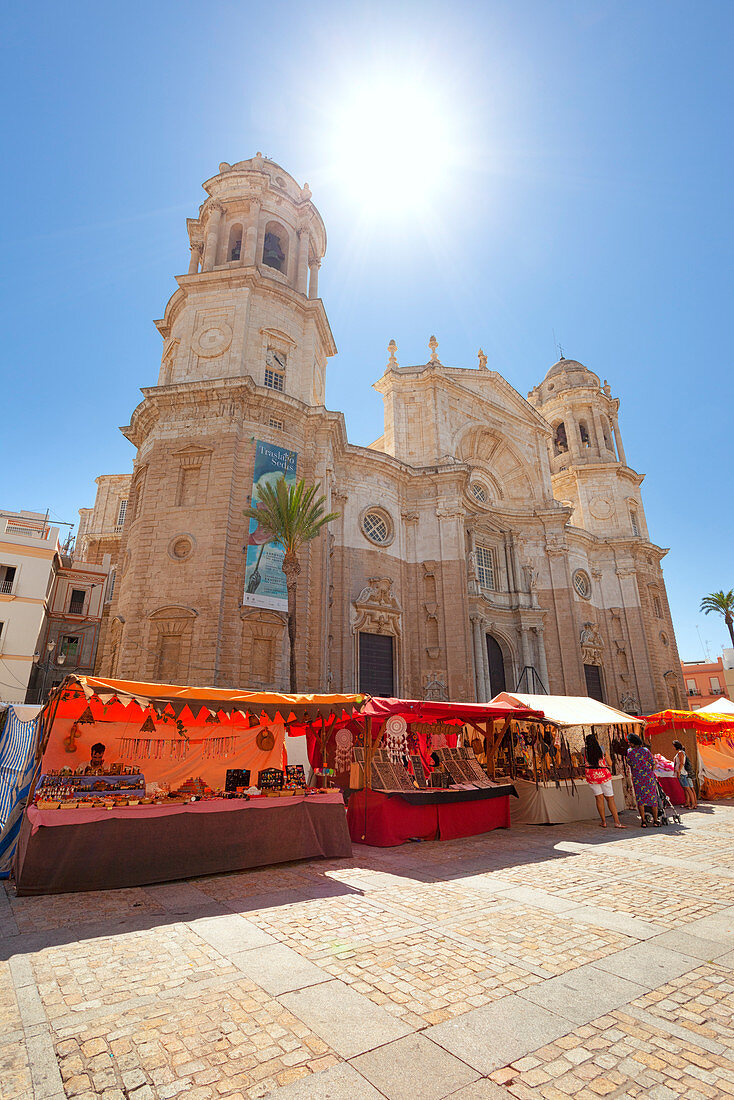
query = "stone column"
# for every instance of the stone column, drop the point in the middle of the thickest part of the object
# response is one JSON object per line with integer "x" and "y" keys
{"x": 476, "y": 626}
{"x": 194, "y": 261}
{"x": 249, "y": 245}
{"x": 524, "y": 651}
{"x": 212, "y": 237}
{"x": 572, "y": 434}
{"x": 599, "y": 433}
{"x": 515, "y": 558}
{"x": 542, "y": 663}
{"x": 488, "y": 689}
{"x": 618, "y": 441}
{"x": 313, "y": 284}
{"x": 304, "y": 241}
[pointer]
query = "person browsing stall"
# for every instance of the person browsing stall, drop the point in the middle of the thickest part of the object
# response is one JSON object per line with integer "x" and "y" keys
{"x": 682, "y": 773}
{"x": 599, "y": 778}
{"x": 642, "y": 767}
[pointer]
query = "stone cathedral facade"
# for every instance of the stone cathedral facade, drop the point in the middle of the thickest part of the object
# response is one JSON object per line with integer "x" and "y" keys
{"x": 485, "y": 541}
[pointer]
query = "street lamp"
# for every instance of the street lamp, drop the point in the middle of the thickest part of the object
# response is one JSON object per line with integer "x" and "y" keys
{"x": 46, "y": 665}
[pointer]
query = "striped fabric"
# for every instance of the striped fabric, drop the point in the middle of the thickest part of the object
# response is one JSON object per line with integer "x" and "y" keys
{"x": 17, "y": 749}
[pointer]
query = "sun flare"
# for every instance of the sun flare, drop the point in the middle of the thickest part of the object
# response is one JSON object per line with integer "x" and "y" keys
{"x": 393, "y": 137}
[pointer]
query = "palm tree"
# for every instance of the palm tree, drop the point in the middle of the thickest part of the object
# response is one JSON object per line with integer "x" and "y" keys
{"x": 723, "y": 603}
{"x": 291, "y": 515}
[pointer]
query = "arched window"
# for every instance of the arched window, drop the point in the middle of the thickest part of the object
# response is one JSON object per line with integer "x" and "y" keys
{"x": 560, "y": 442}
{"x": 275, "y": 247}
{"x": 234, "y": 250}
{"x": 657, "y": 606}
{"x": 584, "y": 434}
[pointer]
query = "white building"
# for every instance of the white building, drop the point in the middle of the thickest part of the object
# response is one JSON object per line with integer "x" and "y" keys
{"x": 29, "y": 556}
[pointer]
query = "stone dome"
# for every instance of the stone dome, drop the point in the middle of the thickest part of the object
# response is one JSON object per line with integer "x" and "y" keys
{"x": 569, "y": 372}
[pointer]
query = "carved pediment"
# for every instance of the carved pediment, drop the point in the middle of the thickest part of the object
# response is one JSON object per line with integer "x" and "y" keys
{"x": 376, "y": 609}
{"x": 591, "y": 644}
{"x": 378, "y": 593}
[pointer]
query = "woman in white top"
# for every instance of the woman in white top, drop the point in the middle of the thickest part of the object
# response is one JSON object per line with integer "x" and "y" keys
{"x": 681, "y": 774}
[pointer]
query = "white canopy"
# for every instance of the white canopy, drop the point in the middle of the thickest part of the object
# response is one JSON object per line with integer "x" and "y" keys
{"x": 570, "y": 710}
{"x": 719, "y": 706}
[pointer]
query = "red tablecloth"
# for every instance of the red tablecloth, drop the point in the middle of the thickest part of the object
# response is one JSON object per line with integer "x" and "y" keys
{"x": 673, "y": 789}
{"x": 83, "y": 815}
{"x": 62, "y": 851}
{"x": 386, "y": 820}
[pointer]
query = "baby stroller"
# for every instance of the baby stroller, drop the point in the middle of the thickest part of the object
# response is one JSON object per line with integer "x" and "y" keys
{"x": 667, "y": 812}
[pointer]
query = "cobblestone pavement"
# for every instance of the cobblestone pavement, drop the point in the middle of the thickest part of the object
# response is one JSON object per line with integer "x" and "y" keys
{"x": 535, "y": 962}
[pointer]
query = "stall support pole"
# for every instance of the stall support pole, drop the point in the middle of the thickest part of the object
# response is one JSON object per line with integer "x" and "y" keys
{"x": 367, "y": 768}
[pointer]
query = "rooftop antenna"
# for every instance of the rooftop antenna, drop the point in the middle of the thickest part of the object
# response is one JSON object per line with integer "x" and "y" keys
{"x": 704, "y": 646}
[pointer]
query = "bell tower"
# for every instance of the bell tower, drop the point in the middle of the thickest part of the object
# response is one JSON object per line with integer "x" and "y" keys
{"x": 249, "y": 304}
{"x": 588, "y": 465}
{"x": 245, "y": 346}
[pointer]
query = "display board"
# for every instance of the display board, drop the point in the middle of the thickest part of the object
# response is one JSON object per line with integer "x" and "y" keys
{"x": 264, "y": 577}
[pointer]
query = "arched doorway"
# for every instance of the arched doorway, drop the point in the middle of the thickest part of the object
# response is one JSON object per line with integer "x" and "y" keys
{"x": 497, "y": 679}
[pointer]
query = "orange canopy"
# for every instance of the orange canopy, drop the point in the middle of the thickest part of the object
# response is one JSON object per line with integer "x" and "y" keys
{"x": 174, "y": 698}
{"x": 706, "y": 726}
{"x": 173, "y": 733}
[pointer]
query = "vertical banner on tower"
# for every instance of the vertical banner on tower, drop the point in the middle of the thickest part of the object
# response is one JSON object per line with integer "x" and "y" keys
{"x": 264, "y": 576}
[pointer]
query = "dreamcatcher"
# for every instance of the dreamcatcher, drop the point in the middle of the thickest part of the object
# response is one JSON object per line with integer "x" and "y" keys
{"x": 343, "y": 742}
{"x": 396, "y": 738}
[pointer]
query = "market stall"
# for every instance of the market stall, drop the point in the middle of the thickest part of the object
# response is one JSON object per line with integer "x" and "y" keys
{"x": 550, "y": 775}
{"x": 18, "y": 739}
{"x": 417, "y": 769}
{"x": 138, "y": 783}
{"x": 708, "y": 740}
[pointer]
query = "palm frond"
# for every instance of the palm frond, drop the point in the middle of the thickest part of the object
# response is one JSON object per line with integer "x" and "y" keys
{"x": 721, "y": 601}
{"x": 292, "y": 514}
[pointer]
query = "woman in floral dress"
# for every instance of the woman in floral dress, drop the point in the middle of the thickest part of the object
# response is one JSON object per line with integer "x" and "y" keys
{"x": 642, "y": 766}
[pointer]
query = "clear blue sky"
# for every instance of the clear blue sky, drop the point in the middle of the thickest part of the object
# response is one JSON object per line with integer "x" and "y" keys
{"x": 578, "y": 180}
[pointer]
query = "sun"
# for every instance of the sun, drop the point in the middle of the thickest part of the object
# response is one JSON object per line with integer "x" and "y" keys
{"x": 392, "y": 138}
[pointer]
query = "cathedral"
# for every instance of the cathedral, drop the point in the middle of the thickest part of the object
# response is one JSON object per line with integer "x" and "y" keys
{"x": 484, "y": 542}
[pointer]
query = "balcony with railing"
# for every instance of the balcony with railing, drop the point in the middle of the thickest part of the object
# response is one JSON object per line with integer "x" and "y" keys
{"x": 28, "y": 528}
{"x": 6, "y": 588}
{"x": 107, "y": 531}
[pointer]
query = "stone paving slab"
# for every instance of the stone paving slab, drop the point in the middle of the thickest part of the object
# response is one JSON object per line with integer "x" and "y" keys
{"x": 277, "y": 969}
{"x": 719, "y": 926}
{"x": 498, "y": 1033}
{"x": 414, "y": 1066}
{"x": 696, "y": 947}
{"x": 231, "y": 934}
{"x": 350, "y": 1023}
{"x": 583, "y": 994}
{"x": 646, "y": 965}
